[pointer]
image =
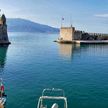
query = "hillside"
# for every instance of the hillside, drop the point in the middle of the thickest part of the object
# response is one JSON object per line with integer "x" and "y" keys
{"x": 22, "y": 25}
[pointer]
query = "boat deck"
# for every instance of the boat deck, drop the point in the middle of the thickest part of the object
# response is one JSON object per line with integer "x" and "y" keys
{"x": 1, "y": 106}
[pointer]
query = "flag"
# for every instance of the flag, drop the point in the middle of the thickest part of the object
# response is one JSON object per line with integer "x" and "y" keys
{"x": 62, "y": 18}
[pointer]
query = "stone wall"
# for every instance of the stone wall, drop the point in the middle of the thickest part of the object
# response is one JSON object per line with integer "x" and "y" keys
{"x": 94, "y": 36}
{"x": 67, "y": 33}
{"x": 77, "y": 35}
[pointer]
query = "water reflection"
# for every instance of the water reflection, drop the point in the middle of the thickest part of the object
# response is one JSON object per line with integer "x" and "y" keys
{"x": 3, "y": 52}
{"x": 67, "y": 50}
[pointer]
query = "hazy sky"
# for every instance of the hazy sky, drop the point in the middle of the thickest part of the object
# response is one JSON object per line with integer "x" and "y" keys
{"x": 87, "y": 15}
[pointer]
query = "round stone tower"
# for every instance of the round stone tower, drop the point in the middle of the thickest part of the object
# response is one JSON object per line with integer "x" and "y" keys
{"x": 3, "y": 31}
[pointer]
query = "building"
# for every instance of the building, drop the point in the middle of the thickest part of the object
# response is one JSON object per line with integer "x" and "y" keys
{"x": 71, "y": 35}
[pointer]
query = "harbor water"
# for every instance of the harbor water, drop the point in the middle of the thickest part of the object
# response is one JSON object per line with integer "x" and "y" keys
{"x": 34, "y": 62}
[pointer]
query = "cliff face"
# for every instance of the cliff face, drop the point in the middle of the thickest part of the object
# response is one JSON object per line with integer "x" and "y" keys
{"x": 3, "y": 31}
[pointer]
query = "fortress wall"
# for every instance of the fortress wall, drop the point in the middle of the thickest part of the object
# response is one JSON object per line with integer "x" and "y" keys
{"x": 77, "y": 35}
{"x": 99, "y": 36}
{"x": 67, "y": 33}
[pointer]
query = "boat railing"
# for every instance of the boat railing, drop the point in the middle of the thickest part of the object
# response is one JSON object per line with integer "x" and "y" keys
{"x": 53, "y": 90}
{"x": 43, "y": 97}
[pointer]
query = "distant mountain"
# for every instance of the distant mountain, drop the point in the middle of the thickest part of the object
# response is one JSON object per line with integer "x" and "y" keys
{"x": 23, "y": 25}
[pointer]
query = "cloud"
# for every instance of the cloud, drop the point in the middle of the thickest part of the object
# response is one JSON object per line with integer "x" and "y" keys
{"x": 102, "y": 15}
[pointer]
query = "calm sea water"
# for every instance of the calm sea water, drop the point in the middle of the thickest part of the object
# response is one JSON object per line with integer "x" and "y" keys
{"x": 34, "y": 62}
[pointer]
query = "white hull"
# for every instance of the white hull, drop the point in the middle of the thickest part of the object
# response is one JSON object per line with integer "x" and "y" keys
{"x": 2, "y": 101}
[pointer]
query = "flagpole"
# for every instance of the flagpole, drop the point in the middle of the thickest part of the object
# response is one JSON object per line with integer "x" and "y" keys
{"x": 71, "y": 21}
{"x": 61, "y": 23}
{"x": 62, "y": 19}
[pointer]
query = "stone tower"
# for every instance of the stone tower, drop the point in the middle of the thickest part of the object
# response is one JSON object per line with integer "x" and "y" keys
{"x": 3, "y": 31}
{"x": 67, "y": 33}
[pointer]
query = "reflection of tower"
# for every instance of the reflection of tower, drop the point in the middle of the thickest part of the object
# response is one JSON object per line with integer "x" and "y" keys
{"x": 3, "y": 52}
{"x": 67, "y": 50}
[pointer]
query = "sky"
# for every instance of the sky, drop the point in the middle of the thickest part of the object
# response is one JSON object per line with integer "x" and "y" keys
{"x": 86, "y": 15}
